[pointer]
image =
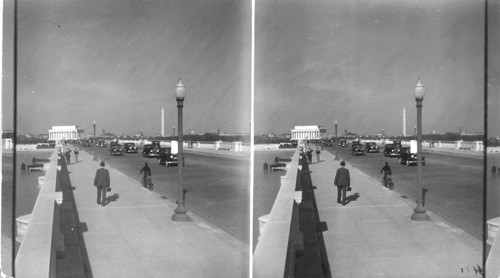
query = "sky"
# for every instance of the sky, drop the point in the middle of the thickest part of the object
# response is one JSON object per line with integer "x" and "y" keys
{"x": 357, "y": 62}
{"x": 118, "y": 61}
{"x": 493, "y": 69}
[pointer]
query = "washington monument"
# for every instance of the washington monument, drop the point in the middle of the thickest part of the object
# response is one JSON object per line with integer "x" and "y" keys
{"x": 404, "y": 122}
{"x": 162, "y": 123}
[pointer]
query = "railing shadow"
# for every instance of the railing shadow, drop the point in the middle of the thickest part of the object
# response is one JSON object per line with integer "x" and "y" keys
{"x": 313, "y": 260}
{"x": 72, "y": 229}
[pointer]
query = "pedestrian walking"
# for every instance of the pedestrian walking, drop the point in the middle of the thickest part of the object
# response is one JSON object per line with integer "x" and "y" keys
{"x": 342, "y": 181}
{"x": 266, "y": 167}
{"x": 68, "y": 156}
{"x": 146, "y": 171}
{"x": 102, "y": 182}
{"x": 493, "y": 170}
{"x": 309, "y": 156}
{"x": 318, "y": 152}
{"x": 387, "y": 172}
{"x": 23, "y": 168}
{"x": 76, "y": 154}
{"x": 276, "y": 160}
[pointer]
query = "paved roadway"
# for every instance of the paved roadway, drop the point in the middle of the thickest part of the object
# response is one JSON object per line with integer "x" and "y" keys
{"x": 454, "y": 183}
{"x": 218, "y": 186}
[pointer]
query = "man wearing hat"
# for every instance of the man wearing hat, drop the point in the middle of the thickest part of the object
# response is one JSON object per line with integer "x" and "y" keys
{"x": 102, "y": 182}
{"x": 342, "y": 181}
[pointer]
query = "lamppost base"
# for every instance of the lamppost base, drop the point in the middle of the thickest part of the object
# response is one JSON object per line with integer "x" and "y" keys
{"x": 419, "y": 216}
{"x": 180, "y": 214}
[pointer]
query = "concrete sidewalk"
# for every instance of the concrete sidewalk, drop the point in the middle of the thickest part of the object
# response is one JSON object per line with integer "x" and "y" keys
{"x": 134, "y": 236}
{"x": 373, "y": 235}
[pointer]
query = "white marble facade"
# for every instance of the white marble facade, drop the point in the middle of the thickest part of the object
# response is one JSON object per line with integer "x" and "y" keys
{"x": 65, "y": 133}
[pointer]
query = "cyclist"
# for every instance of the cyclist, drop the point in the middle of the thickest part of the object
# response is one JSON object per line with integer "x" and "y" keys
{"x": 387, "y": 172}
{"x": 146, "y": 171}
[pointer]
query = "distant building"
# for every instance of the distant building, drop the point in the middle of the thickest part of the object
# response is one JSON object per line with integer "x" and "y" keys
{"x": 8, "y": 139}
{"x": 65, "y": 133}
{"x": 309, "y": 132}
{"x": 350, "y": 135}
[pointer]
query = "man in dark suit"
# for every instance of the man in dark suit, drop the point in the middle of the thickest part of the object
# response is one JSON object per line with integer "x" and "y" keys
{"x": 342, "y": 181}
{"x": 102, "y": 182}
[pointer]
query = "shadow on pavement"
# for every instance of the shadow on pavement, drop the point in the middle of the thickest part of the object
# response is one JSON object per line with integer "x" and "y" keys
{"x": 112, "y": 198}
{"x": 352, "y": 198}
{"x": 74, "y": 261}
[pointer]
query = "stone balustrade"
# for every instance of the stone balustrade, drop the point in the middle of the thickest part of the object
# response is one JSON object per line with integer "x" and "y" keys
{"x": 42, "y": 239}
{"x": 274, "y": 254}
{"x": 493, "y": 260}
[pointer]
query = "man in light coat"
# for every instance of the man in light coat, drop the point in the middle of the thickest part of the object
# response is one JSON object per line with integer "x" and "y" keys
{"x": 342, "y": 181}
{"x": 102, "y": 182}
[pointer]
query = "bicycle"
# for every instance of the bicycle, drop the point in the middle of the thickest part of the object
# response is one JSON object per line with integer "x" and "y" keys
{"x": 387, "y": 182}
{"x": 147, "y": 183}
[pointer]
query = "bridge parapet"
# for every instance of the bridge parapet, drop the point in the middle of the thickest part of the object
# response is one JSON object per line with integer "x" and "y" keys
{"x": 37, "y": 254}
{"x": 274, "y": 255}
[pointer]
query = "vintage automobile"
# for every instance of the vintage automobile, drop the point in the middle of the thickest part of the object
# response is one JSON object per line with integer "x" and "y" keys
{"x": 326, "y": 143}
{"x": 101, "y": 143}
{"x": 150, "y": 150}
{"x": 156, "y": 143}
{"x": 116, "y": 149}
{"x": 388, "y": 149}
{"x": 392, "y": 150}
{"x": 166, "y": 157}
{"x": 342, "y": 143}
{"x": 357, "y": 149}
{"x": 129, "y": 148}
{"x": 85, "y": 143}
{"x": 409, "y": 158}
{"x": 371, "y": 147}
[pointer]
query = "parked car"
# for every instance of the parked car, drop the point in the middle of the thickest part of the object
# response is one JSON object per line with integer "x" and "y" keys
{"x": 116, "y": 149}
{"x": 166, "y": 157}
{"x": 409, "y": 158}
{"x": 150, "y": 150}
{"x": 357, "y": 149}
{"x": 129, "y": 148}
{"x": 371, "y": 147}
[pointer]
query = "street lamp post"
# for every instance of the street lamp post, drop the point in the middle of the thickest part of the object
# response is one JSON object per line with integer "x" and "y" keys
{"x": 336, "y": 142}
{"x": 95, "y": 157}
{"x": 180, "y": 212}
{"x": 419, "y": 212}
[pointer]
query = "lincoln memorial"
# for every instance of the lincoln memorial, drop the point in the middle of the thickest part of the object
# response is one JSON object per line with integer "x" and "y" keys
{"x": 65, "y": 133}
